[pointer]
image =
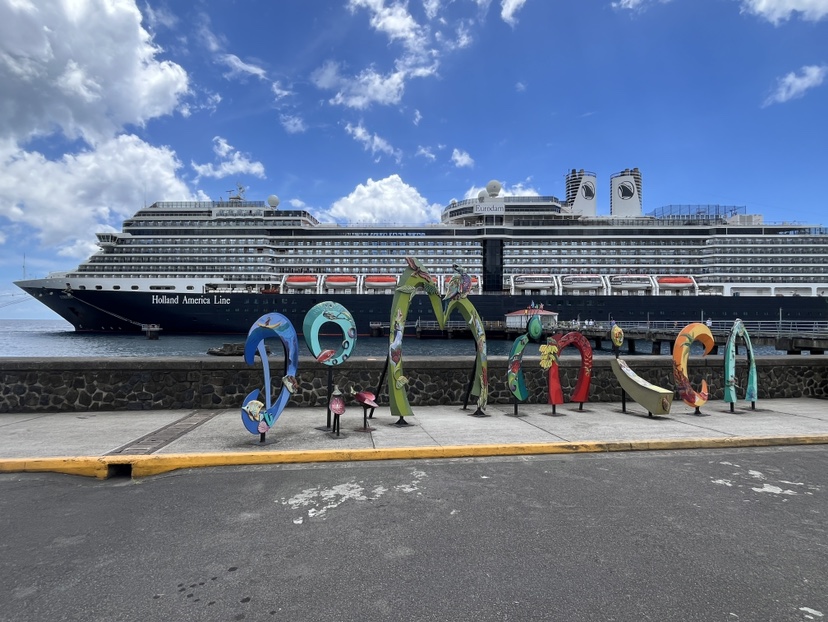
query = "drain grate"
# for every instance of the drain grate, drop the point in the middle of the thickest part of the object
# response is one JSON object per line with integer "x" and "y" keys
{"x": 152, "y": 442}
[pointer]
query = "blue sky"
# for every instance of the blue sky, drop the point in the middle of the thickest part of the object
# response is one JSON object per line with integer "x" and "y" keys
{"x": 384, "y": 111}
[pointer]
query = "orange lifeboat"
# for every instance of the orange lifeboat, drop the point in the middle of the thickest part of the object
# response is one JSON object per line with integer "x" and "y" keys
{"x": 675, "y": 282}
{"x": 380, "y": 280}
{"x": 301, "y": 281}
{"x": 339, "y": 281}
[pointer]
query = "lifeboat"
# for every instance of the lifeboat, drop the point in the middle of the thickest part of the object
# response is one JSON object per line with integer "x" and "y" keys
{"x": 380, "y": 281}
{"x": 675, "y": 282}
{"x": 340, "y": 281}
{"x": 631, "y": 281}
{"x": 301, "y": 281}
{"x": 535, "y": 281}
{"x": 582, "y": 281}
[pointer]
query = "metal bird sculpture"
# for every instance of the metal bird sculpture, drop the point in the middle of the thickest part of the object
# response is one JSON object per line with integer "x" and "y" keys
{"x": 459, "y": 285}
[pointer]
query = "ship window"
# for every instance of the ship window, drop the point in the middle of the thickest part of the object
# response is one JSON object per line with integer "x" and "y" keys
{"x": 190, "y": 287}
{"x": 116, "y": 287}
{"x": 134, "y": 287}
{"x": 98, "y": 287}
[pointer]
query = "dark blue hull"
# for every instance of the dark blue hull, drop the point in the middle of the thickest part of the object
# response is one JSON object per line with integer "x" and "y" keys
{"x": 110, "y": 311}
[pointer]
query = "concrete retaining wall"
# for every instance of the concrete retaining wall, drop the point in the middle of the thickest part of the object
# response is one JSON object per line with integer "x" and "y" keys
{"x": 29, "y": 385}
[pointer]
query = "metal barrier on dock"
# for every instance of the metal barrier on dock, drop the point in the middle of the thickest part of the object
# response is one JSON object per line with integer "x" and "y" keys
{"x": 788, "y": 335}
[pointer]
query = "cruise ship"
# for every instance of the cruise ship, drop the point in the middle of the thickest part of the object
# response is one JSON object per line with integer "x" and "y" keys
{"x": 217, "y": 266}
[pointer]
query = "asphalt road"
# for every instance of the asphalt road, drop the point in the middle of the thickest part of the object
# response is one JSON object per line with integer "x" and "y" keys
{"x": 717, "y": 535}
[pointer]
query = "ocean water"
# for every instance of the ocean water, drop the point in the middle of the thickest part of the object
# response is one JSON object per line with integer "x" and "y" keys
{"x": 57, "y": 338}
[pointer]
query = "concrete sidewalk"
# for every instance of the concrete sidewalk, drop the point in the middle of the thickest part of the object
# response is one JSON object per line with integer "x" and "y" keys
{"x": 140, "y": 443}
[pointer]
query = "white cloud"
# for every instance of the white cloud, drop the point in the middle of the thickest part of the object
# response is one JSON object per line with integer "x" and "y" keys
{"x": 776, "y": 11}
{"x": 426, "y": 153}
{"x": 361, "y": 91}
{"x": 508, "y": 9}
{"x": 240, "y": 68}
{"x": 636, "y": 5}
{"x": 231, "y": 162}
{"x": 293, "y": 124}
{"x": 417, "y": 117}
{"x": 461, "y": 158}
{"x": 394, "y": 21}
{"x": 520, "y": 189}
{"x": 520, "y": 87}
{"x": 63, "y": 203}
{"x": 793, "y": 85}
{"x": 372, "y": 142}
{"x": 388, "y": 200}
{"x": 279, "y": 91}
{"x": 431, "y": 8}
{"x": 84, "y": 69}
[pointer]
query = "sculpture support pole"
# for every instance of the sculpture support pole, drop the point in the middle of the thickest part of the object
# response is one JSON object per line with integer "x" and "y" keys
{"x": 330, "y": 392}
{"x": 379, "y": 386}
{"x": 469, "y": 387}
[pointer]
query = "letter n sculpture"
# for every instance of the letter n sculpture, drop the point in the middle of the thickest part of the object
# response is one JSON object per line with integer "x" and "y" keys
{"x": 416, "y": 279}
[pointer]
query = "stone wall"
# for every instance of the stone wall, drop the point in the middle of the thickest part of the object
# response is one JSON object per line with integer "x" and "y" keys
{"x": 29, "y": 385}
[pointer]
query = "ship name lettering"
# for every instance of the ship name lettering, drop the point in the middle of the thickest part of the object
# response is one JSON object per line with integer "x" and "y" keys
{"x": 196, "y": 300}
{"x": 221, "y": 300}
{"x": 163, "y": 299}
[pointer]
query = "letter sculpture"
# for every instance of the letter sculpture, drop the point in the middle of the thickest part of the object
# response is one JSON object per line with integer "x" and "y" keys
{"x": 258, "y": 417}
{"x": 681, "y": 353}
{"x": 549, "y": 360}
{"x": 415, "y": 278}
{"x": 514, "y": 371}
{"x": 738, "y": 330}
{"x": 316, "y": 317}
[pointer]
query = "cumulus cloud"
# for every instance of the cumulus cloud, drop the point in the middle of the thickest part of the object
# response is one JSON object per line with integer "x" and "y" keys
{"x": 461, "y": 158}
{"x": 230, "y": 162}
{"x": 776, "y": 11}
{"x": 372, "y": 142}
{"x": 84, "y": 69}
{"x": 795, "y": 85}
{"x": 78, "y": 73}
{"x": 61, "y": 204}
{"x": 388, "y": 200}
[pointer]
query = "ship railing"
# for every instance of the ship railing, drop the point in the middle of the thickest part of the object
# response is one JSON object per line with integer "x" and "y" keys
{"x": 759, "y": 328}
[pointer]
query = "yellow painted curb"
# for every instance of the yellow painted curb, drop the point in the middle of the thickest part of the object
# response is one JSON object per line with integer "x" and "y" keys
{"x": 89, "y": 466}
{"x": 141, "y": 466}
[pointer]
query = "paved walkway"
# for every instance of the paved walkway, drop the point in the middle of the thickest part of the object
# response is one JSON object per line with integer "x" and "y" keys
{"x": 139, "y": 443}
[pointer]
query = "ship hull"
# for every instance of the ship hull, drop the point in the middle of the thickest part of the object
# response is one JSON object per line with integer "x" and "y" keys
{"x": 228, "y": 313}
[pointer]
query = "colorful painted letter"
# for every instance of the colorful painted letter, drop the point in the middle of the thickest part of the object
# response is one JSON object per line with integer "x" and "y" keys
{"x": 258, "y": 417}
